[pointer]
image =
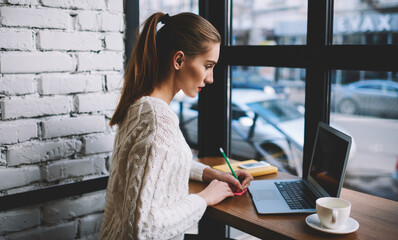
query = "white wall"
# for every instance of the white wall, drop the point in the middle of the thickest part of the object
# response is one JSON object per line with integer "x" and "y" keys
{"x": 61, "y": 66}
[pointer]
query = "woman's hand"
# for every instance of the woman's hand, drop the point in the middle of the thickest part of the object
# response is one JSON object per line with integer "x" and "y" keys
{"x": 244, "y": 178}
{"x": 237, "y": 186}
{"x": 215, "y": 192}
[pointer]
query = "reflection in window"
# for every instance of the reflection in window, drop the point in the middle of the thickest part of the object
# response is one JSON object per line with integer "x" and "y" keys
{"x": 365, "y": 105}
{"x": 269, "y": 22}
{"x": 267, "y": 115}
{"x": 280, "y": 111}
{"x": 365, "y": 22}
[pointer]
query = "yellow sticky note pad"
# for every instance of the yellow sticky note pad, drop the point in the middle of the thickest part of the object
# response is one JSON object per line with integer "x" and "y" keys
{"x": 254, "y": 171}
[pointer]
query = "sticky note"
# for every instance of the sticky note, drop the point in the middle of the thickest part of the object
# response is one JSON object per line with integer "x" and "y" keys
{"x": 240, "y": 193}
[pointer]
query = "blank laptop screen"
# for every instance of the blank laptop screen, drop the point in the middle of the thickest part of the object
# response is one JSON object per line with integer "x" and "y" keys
{"x": 329, "y": 160}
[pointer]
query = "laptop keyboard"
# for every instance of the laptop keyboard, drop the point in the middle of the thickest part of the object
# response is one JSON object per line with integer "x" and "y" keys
{"x": 297, "y": 195}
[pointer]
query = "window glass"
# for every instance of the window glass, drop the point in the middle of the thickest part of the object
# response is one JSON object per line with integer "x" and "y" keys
{"x": 365, "y": 105}
{"x": 148, "y": 7}
{"x": 365, "y": 22}
{"x": 268, "y": 115}
{"x": 269, "y": 22}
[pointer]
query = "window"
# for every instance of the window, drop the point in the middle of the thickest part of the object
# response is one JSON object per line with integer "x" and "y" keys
{"x": 328, "y": 45}
{"x": 267, "y": 112}
{"x": 365, "y": 22}
{"x": 270, "y": 22}
{"x": 367, "y": 109}
{"x": 148, "y": 7}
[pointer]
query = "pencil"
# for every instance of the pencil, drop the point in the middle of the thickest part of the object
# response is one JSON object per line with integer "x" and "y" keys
{"x": 229, "y": 165}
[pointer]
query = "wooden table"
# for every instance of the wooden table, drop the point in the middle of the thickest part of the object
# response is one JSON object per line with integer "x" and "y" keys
{"x": 377, "y": 217}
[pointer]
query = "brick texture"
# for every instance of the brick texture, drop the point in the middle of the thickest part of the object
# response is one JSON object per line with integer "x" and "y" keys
{"x": 19, "y": 219}
{"x": 55, "y": 84}
{"x": 70, "y": 208}
{"x": 33, "y": 107}
{"x": 36, "y": 62}
{"x": 17, "y": 84}
{"x": 61, "y": 72}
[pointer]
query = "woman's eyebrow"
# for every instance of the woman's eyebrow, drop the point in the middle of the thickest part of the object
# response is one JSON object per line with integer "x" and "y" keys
{"x": 212, "y": 62}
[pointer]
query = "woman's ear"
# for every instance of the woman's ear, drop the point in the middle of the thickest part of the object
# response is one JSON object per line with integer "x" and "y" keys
{"x": 178, "y": 60}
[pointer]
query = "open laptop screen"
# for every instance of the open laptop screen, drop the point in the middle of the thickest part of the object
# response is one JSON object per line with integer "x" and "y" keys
{"x": 330, "y": 156}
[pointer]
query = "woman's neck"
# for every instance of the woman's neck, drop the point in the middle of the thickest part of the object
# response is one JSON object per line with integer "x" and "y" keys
{"x": 166, "y": 91}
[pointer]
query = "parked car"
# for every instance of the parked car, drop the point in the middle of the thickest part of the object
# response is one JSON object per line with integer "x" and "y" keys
{"x": 368, "y": 97}
{"x": 264, "y": 127}
{"x": 253, "y": 80}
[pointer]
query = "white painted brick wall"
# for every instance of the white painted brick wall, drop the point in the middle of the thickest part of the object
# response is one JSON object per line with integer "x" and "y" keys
{"x": 64, "y": 231}
{"x": 61, "y": 70}
{"x": 79, "y": 41}
{"x": 114, "y": 82}
{"x": 58, "y": 127}
{"x": 31, "y": 234}
{"x": 68, "y": 168}
{"x": 33, "y": 107}
{"x": 17, "y": 177}
{"x": 109, "y": 21}
{"x": 100, "y": 61}
{"x": 114, "y": 41}
{"x": 24, "y": 2}
{"x": 66, "y": 83}
{"x": 17, "y": 84}
{"x": 98, "y": 144}
{"x": 17, "y": 131}
{"x": 3, "y": 160}
{"x": 38, "y": 151}
{"x": 91, "y": 224}
{"x": 87, "y": 20}
{"x": 93, "y": 102}
{"x": 115, "y": 5}
{"x": 19, "y": 219}
{"x": 99, "y": 21}
{"x": 36, "y": 62}
{"x": 100, "y": 163}
{"x": 31, "y": 17}
{"x": 79, "y": 4}
{"x": 70, "y": 208}
{"x": 16, "y": 39}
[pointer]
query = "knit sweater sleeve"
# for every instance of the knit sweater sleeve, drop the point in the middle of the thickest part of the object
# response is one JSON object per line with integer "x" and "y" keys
{"x": 156, "y": 216}
{"x": 197, "y": 170}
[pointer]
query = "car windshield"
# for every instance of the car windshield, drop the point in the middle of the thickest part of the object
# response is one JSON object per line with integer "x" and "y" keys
{"x": 276, "y": 110}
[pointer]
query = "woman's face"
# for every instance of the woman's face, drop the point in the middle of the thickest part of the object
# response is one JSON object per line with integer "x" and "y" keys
{"x": 196, "y": 72}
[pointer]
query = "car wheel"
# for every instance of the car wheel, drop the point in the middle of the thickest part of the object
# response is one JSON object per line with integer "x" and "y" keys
{"x": 348, "y": 106}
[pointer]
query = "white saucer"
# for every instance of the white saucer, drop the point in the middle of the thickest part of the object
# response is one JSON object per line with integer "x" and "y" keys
{"x": 313, "y": 221}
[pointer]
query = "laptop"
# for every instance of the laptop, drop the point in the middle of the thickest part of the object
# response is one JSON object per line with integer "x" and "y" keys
{"x": 324, "y": 179}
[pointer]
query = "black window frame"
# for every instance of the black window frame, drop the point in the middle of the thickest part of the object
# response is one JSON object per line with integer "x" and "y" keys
{"x": 319, "y": 57}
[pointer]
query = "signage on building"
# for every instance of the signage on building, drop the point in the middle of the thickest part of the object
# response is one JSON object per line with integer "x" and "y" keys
{"x": 344, "y": 25}
{"x": 366, "y": 23}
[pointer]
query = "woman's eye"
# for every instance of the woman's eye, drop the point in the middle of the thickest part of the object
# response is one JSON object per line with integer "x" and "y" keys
{"x": 208, "y": 66}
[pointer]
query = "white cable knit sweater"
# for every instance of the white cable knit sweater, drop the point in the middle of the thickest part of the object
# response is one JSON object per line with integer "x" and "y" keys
{"x": 147, "y": 194}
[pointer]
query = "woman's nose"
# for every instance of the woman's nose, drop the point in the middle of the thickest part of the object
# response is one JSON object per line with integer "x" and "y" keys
{"x": 209, "y": 79}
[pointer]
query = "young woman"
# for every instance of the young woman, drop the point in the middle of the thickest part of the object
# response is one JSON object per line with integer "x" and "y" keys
{"x": 147, "y": 193}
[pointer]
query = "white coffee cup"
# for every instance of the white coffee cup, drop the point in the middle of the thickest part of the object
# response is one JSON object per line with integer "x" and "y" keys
{"x": 333, "y": 212}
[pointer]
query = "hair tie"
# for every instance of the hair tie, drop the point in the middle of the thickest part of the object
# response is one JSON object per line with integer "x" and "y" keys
{"x": 165, "y": 18}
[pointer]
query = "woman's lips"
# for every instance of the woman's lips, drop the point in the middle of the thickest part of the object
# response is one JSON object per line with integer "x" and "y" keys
{"x": 199, "y": 89}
